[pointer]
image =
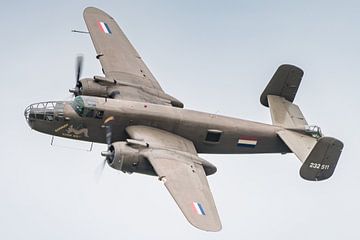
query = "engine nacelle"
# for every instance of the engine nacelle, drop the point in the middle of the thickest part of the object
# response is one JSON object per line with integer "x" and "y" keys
{"x": 91, "y": 88}
{"x": 126, "y": 158}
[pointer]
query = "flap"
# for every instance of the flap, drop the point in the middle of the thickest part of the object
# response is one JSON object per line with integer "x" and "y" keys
{"x": 157, "y": 138}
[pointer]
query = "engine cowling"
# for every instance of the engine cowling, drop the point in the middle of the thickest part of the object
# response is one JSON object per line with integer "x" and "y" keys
{"x": 89, "y": 87}
{"x": 127, "y": 158}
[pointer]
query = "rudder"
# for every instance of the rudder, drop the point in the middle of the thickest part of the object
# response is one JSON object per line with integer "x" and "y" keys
{"x": 284, "y": 83}
{"x": 322, "y": 160}
{"x": 318, "y": 154}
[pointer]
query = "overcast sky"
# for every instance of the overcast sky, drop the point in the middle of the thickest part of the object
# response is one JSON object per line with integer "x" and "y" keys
{"x": 215, "y": 57}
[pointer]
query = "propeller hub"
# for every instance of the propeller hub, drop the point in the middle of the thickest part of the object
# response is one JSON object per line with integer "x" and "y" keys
{"x": 110, "y": 152}
{"x": 106, "y": 153}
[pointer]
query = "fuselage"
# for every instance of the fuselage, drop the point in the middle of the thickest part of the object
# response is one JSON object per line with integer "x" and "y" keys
{"x": 83, "y": 119}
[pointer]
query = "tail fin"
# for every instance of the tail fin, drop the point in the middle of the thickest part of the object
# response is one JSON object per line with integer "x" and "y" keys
{"x": 279, "y": 95}
{"x": 284, "y": 83}
{"x": 318, "y": 154}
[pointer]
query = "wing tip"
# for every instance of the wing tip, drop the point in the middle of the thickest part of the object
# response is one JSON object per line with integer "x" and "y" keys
{"x": 208, "y": 228}
{"x": 94, "y": 10}
{"x": 90, "y": 9}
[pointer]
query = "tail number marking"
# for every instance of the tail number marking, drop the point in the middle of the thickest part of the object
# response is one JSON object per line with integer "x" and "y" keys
{"x": 319, "y": 166}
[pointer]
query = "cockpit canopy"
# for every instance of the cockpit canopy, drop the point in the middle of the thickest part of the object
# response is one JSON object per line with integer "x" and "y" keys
{"x": 86, "y": 107}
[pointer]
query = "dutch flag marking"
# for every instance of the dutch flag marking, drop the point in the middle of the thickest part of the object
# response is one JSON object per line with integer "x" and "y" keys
{"x": 198, "y": 208}
{"x": 104, "y": 27}
{"x": 247, "y": 142}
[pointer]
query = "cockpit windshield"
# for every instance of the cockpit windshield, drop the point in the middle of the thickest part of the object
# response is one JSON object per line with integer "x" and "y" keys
{"x": 78, "y": 105}
{"x": 86, "y": 107}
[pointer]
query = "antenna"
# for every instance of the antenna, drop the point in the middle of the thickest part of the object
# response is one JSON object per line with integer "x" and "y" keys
{"x": 69, "y": 143}
{"x": 78, "y": 31}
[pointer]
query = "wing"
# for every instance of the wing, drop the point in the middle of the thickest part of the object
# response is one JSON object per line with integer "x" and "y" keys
{"x": 118, "y": 57}
{"x": 175, "y": 161}
{"x": 121, "y": 62}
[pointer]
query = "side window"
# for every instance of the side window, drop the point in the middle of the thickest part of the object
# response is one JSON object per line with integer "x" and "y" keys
{"x": 99, "y": 114}
{"x": 50, "y": 117}
{"x": 88, "y": 112}
{"x": 213, "y": 136}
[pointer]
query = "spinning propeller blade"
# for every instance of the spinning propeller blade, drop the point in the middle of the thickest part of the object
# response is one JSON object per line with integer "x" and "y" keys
{"x": 108, "y": 154}
{"x": 78, "y": 68}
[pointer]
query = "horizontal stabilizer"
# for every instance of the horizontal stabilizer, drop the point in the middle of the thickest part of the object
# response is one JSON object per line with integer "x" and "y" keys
{"x": 284, "y": 83}
{"x": 285, "y": 114}
{"x": 300, "y": 144}
{"x": 322, "y": 160}
{"x": 319, "y": 156}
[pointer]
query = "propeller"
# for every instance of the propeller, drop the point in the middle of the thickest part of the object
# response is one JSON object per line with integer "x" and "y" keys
{"x": 109, "y": 153}
{"x": 78, "y": 67}
{"x": 99, "y": 170}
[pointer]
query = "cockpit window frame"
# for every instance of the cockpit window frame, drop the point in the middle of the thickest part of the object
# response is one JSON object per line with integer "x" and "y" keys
{"x": 78, "y": 105}
{"x": 86, "y": 108}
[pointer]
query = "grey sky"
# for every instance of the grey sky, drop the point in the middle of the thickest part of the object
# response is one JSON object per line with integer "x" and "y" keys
{"x": 215, "y": 57}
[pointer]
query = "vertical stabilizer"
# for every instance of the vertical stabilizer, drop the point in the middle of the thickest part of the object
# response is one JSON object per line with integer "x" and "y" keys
{"x": 318, "y": 154}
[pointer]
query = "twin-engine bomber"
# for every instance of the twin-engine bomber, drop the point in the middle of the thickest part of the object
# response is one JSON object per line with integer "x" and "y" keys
{"x": 148, "y": 131}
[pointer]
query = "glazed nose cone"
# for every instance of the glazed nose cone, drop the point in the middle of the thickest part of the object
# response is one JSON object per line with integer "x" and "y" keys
{"x": 27, "y": 113}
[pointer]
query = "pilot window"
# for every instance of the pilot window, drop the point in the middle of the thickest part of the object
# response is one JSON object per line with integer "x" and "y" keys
{"x": 99, "y": 114}
{"x": 78, "y": 105}
{"x": 49, "y": 117}
{"x": 213, "y": 136}
{"x": 86, "y": 111}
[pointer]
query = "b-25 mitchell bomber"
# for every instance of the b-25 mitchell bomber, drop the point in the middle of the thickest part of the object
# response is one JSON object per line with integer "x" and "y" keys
{"x": 148, "y": 131}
